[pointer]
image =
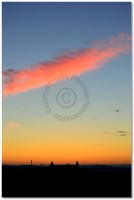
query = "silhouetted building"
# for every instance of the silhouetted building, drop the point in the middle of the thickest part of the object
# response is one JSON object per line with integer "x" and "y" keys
{"x": 52, "y": 164}
{"x": 31, "y": 162}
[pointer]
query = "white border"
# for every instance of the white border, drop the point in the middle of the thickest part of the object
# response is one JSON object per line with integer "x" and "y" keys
{"x": 1, "y": 90}
{"x": 1, "y": 98}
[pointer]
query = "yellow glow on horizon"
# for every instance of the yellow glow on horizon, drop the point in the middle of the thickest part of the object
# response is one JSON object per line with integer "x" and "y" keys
{"x": 64, "y": 144}
{"x": 68, "y": 152}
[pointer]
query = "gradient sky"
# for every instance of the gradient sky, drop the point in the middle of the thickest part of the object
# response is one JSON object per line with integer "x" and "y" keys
{"x": 36, "y": 32}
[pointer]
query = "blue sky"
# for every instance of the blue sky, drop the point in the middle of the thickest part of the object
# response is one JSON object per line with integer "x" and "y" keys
{"x": 38, "y": 31}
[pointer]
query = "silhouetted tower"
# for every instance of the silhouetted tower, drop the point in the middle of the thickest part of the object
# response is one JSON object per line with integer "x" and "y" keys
{"x": 31, "y": 163}
{"x": 77, "y": 164}
{"x": 52, "y": 164}
{"x": 77, "y": 168}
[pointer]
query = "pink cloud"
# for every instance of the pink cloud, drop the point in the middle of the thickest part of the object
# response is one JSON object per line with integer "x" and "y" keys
{"x": 66, "y": 65}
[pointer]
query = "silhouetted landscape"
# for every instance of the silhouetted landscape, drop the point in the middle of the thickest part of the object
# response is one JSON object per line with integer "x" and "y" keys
{"x": 66, "y": 180}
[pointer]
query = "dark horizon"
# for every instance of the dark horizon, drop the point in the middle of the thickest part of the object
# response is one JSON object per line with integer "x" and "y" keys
{"x": 66, "y": 180}
{"x": 80, "y": 164}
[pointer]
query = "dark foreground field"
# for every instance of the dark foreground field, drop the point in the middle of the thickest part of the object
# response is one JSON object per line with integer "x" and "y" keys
{"x": 66, "y": 181}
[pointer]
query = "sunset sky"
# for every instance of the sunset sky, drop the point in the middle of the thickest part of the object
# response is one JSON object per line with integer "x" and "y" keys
{"x": 42, "y": 43}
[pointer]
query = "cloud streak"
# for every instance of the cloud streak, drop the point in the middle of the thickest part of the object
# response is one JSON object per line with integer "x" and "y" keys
{"x": 67, "y": 64}
{"x": 123, "y": 135}
{"x": 116, "y": 110}
{"x": 121, "y": 131}
{"x": 13, "y": 125}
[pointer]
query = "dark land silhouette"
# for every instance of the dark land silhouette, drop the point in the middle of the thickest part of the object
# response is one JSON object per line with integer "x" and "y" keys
{"x": 66, "y": 180}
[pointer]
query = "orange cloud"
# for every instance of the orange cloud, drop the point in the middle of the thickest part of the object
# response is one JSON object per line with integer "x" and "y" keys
{"x": 67, "y": 64}
{"x": 13, "y": 125}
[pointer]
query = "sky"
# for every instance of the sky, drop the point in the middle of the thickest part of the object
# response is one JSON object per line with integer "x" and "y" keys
{"x": 44, "y": 42}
